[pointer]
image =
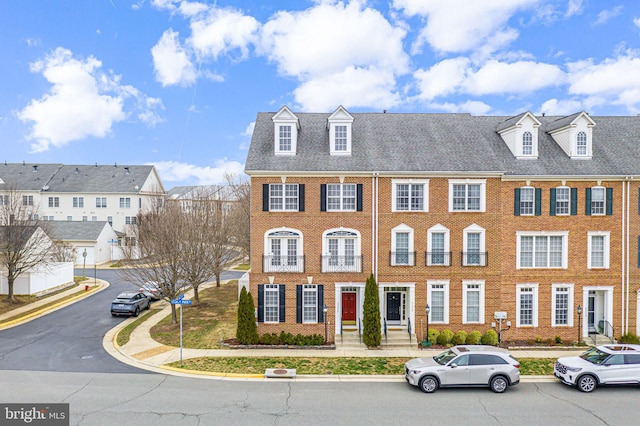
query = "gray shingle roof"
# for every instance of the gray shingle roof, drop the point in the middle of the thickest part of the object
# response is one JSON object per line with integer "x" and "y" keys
{"x": 446, "y": 143}
{"x": 75, "y": 231}
{"x": 26, "y": 176}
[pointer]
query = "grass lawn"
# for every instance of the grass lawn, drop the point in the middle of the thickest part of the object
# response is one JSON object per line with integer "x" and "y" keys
{"x": 206, "y": 324}
{"x": 325, "y": 365}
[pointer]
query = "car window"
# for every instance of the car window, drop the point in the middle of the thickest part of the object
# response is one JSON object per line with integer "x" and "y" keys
{"x": 478, "y": 359}
{"x": 461, "y": 360}
{"x": 632, "y": 359}
{"x": 444, "y": 357}
{"x": 615, "y": 360}
{"x": 495, "y": 359}
{"x": 595, "y": 356}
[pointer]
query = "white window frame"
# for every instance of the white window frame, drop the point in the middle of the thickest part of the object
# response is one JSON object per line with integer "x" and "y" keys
{"x": 602, "y": 208}
{"x": 54, "y": 201}
{"x": 402, "y": 228}
{"x": 568, "y": 201}
{"x": 532, "y": 190}
{"x": 606, "y": 249}
{"x": 268, "y": 316}
{"x": 526, "y": 140}
{"x": 435, "y": 286}
{"x": 78, "y": 202}
{"x": 306, "y": 290}
{"x": 468, "y": 286}
{"x": 357, "y": 253}
{"x": 466, "y": 183}
{"x": 411, "y": 183}
{"x": 565, "y": 248}
{"x": 555, "y": 290}
{"x": 342, "y": 197}
{"x": 130, "y": 220}
{"x": 125, "y": 202}
{"x": 284, "y": 197}
{"x": 474, "y": 229}
{"x": 578, "y": 145}
{"x": 27, "y": 200}
{"x": 101, "y": 202}
{"x": 439, "y": 229}
{"x": 534, "y": 313}
{"x": 272, "y": 234}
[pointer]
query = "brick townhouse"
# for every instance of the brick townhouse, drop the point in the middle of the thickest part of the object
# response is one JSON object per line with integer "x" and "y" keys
{"x": 478, "y": 217}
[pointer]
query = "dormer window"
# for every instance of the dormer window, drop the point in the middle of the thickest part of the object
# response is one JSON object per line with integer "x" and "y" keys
{"x": 581, "y": 144}
{"x": 286, "y": 128}
{"x": 520, "y": 134}
{"x": 574, "y": 134}
{"x": 339, "y": 125}
{"x": 527, "y": 143}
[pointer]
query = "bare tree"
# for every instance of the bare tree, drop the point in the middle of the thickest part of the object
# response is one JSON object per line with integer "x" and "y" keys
{"x": 24, "y": 244}
{"x": 63, "y": 252}
{"x": 240, "y": 213}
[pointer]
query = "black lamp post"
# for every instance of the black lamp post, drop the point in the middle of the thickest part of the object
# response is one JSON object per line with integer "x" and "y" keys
{"x": 427, "y": 309}
{"x": 579, "y": 310}
{"x": 325, "y": 309}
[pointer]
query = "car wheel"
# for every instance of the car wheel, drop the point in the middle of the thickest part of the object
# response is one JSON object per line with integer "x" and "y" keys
{"x": 587, "y": 383}
{"x": 428, "y": 384}
{"x": 136, "y": 312}
{"x": 113, "y": 315}
{"x": 499, "y": 384}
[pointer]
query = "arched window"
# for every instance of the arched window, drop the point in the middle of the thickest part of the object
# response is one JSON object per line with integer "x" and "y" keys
{"x": 341, "y": 251}
{"x": 581, "y": 144}
{"x": 527, "y": 143}
{"x": 283, "y": 251}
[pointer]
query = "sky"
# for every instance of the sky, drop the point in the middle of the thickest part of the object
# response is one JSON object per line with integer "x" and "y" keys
{"x": 178, "y": 84}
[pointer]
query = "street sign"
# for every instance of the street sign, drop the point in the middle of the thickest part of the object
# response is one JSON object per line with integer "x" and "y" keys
{"x": 180, "y": 302}
{"x": 112, "y": 241}
{"x": 181, "y": 296}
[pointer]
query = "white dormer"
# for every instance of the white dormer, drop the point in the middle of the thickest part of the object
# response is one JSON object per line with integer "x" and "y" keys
{"x": 520, "y": 133}
{"x": 574, "y": 135}
{"x": 339, "y": 125}
{"x": 285, "y": 132}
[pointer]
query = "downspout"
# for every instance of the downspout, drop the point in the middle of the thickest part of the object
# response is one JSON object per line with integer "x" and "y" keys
{"x": 623, "y": 243}
{"x": 374, "y": 225}
{"x": 626, "y": 324}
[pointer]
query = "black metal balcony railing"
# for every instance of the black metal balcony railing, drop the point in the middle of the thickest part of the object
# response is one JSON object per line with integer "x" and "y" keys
{"x": 402, "y": 258}
{"x": 437, "y": 258}
{"x": 342, "y": 263}
{"x": 274, "y": 263}
{"x": 474, "y": 258}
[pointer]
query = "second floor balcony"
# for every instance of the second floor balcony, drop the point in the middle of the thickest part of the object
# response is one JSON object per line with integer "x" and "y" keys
{"x": 279, "y": 263}
{"x": 342, "y": 263}
{"x": 474, "y": 258}
{"x": 402, "y": 258}
{"x": 437, "y": 258}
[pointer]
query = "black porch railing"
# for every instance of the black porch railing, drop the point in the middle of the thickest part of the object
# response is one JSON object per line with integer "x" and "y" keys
{"x": 402, "y": 258}
{"x": 474, "y": 258}
{"x": 437, "y": 258}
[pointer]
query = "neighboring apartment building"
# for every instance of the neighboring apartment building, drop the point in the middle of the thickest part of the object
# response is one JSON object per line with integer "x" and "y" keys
{"x": 86, "y": 193}
{"x": 190, "y": 196}
{"x": 529, "y": 216}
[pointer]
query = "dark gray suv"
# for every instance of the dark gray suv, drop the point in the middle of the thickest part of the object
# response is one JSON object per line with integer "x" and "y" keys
{"x": 130, "y": 303}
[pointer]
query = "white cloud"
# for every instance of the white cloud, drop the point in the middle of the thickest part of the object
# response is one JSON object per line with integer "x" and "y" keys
{"x": 443, "y": 78}
{"x": 221, "y": 31}
{"x": 172, "y": 171}
{"x": 614, "y": 80}
{"x": 636, "y": 22}
{"x": 171, "y": 62}
{"x": 462, "y": 25}
{"x": 606, "y": 15}
{"x": 574, "y": 8}
{"x": 561, "y": 107}
{"x": 82, "y": 101}
{"x": 472, "y": 107}
{"x": 519, "y": 77}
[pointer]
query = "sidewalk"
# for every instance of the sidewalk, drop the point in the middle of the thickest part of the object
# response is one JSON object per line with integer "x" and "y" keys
{"x": 144, "y": 352}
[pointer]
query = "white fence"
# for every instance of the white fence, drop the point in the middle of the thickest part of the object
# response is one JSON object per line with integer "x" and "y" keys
{"x": 40, "y": 280}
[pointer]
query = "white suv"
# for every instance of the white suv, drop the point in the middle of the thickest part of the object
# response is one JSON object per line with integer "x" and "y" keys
{"x": 465, "y": 365}
{"x": 601, "y": 365}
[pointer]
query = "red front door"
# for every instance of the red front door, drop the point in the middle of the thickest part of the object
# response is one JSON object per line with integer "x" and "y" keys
{"x": 349, "y": 307}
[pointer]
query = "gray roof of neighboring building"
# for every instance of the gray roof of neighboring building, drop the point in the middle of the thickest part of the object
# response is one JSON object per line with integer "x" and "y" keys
{"x": 74, "y": 178}
{"x": 75, "y": 231}
{"x": 447, "y": 143}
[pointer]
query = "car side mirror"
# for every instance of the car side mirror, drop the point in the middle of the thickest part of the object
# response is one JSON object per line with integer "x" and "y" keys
{"x": 454, "y": 365}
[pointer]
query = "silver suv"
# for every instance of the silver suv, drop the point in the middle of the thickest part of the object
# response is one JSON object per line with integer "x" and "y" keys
{"x": 465, "y": 365}
{"x": 601, "y": 365}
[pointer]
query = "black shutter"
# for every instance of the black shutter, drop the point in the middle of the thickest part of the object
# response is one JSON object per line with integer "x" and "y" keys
{"x": 587, "y": 202}
{"x": 552, "y": 202}
{"x": 320, "y": 303}
{"x": 359, "y": 197}
{"x": 323, "y": 197}
{"x": 281, "y": 302}
{"x": 574, "y": 201}
{"x": 538, "y": 202}
{"x": 301, "y": 198}
{"x": 265, "y": 197}
{"x": 609, "y": 201}
{"x": 516, "y": 202}
{"x": 298, "y": 303}
{"x": 261, "y": 303}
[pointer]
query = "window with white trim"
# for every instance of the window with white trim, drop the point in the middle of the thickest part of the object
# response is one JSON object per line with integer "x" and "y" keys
{"x": 581, "y": 143}
{"x": 54, "y": 201}
{"x": 438, "y": 251}
{"x": 69, "y": 218}
{"x": 283, "y": 197}
{"x": 27, "y": 200}
{"x": 78, "y": 202}
{"x": 101, "y": 202}
{"x": 598, "y": 249}
{"x": 310, "y": 303}
{"x": 341, "y": 248}
{"x": 340, "y": 138}
{"x": 527, "y": 200}
{"x": 473, "y": 246}
{"x": 410, "y": 195}
{"x": 467, "y": 195}
{"x": 527, "y": 305}
{"x": 438, "y": 299}
{"x": 527, "y": 143}
{"x": 402, "y": 246}
{"x": 284, "y": 138}
{"x": 130, "y": 220}
{"x": 283, "y": 251}
{"x": 563, "y": 194}
{"x": 341, "y": 197}
{"x": 271, "y": 303}
{"x": 542, "y": 250}
{"x": 561, "y": 305}
{"x": 94, "y": 218}
{"x": 473, "y": 302}
{"x": 125, "y": 203}
{"x": 598, "y": 198}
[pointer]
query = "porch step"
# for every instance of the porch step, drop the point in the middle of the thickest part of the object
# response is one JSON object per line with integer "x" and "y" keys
{"x": 398, "y": 339}
{"x": 598, "y": 339}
